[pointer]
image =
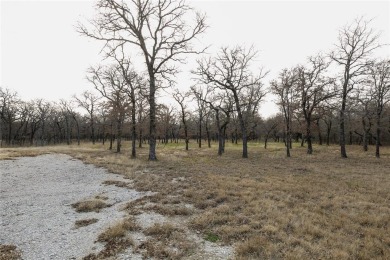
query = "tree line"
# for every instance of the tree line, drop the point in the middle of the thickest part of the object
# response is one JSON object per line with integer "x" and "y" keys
{"x": 339, "y": 96}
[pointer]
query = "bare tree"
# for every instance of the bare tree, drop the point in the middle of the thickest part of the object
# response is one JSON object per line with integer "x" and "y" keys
{"x": 88, "y": 101}
{"x": 222, "y": 105}
{"x": 200, "y": 95}
{"x": 285, "y": 89}
{"x": 270, "y": 125}
{"x": 134, "y": 83}
{"x": 356, "y": 42}
{"x": 229, "y": 71}
{"x": 314, "y": 89}
{"x": 110, "y": 83}
{"x": 9, "y": 111}
{"x": 158, "y": 29}
{"x": 181, "y": 100}
{"x": 379, "y": 79}
{"x": 364, "y": 109}
{"x": 66, "y": 112}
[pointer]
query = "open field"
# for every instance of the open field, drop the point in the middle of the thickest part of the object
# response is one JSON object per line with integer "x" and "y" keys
{"x": 267, "y": 206}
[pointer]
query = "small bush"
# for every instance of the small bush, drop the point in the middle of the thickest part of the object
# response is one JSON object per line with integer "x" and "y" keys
{"x": 90, "y": 205}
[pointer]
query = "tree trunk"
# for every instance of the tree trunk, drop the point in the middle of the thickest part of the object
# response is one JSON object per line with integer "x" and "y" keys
{"x": 288, "y": 138}
{"x": 342, "y": 130}
{"x": 328, "y": 130}
{"x": 140, "y": 138}
{"x": 308, "y": 137}
{"x": 92, "y": 130}
{"x": 378, "y": 133}
{"x": 319, "y": 132}
{"x": 111, "y": 138}
{"x": 186, "y": 135}
{"x": 208, "y": 136}
{"x": 152, "y": 115}
{"x": 200, "y": 131}
{"x": 119, "y": 134}
{"x": 243, "y": 127}
{"x": 133, "y": 125}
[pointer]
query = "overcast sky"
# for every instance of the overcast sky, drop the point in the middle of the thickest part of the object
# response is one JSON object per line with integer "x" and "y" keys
{"x": 42, "y": 55}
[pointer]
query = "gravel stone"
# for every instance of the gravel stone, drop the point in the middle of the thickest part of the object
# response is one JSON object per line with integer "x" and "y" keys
{"x": 36, "y": 215}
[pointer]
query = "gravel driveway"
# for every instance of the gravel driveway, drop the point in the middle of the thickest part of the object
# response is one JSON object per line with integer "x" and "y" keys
{"x": 36, "y": 194}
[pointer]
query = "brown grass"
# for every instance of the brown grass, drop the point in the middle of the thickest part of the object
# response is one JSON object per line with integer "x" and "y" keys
{"x": 115, "y": 239}
{"x": 9, "y": 252}
{"x": 116, "y": 183}
{"x": 268, "y": 206}
{"x": 111, "y": 248}
{"x": 85, "y": 222}
{"x": 118, "y": 230}
{"x": 166, "y": 242}
{"x": 90, "y": 205}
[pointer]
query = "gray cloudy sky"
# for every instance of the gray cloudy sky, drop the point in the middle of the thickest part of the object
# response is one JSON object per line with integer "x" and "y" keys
{"x": 42, "y": 56}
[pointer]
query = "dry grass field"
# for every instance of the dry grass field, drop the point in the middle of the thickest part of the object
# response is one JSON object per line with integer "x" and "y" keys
{"x": 316, "y": 206}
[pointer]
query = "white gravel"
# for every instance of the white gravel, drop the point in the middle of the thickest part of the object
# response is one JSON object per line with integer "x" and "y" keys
{"x": 36, "y": 194}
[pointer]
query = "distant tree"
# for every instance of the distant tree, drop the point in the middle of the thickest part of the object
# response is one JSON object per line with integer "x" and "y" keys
{"x": 285, "y": 89}
{"x": 110, "y": 83}
{"x": 200, "y": 95}
{"x": 365, "y": 111}
{"x": 134, "y": 83}
{"x": 230, "y": 71}
{"x": 314, "y": 89}
{"x": 44, "y": 111}
{"x": 67, "y": 113}
{"x": 356, "y": 42}
{"x": 269, "y": 126}
{"x": 158, "y": 29}
{"x": 379, "y": 80}
{"x": 181, "y": 100}
{"x": 88, "y": 101}
{"x": 165, "y": 117}
{"x": 9, "y": 110}
{"x": 222, "y": 105}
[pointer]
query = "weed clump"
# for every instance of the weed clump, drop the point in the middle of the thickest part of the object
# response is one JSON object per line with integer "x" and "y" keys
{"x": 9, "y": 252}
{"x": 85, "y": 222}
{"x": 90, "y": 205}
{"x": 118, "y": 230}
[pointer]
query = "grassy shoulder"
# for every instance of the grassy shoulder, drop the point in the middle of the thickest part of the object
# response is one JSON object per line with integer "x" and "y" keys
{"x": 267, "y": 206}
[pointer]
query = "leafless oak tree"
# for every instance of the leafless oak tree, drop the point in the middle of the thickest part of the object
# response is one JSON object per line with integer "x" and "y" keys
{"x": 379, "y": 79}
{"x": 230, "y": 71}
{"x": 314, "y": 89}
{"x": 285, "y": 90}
{"x": 356, "y": 42}
{"x": 88, "y": 101}
{"x": 159, "y": 29}
{"x": 110, "y": 83}
{"x": 181, "y": 100}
